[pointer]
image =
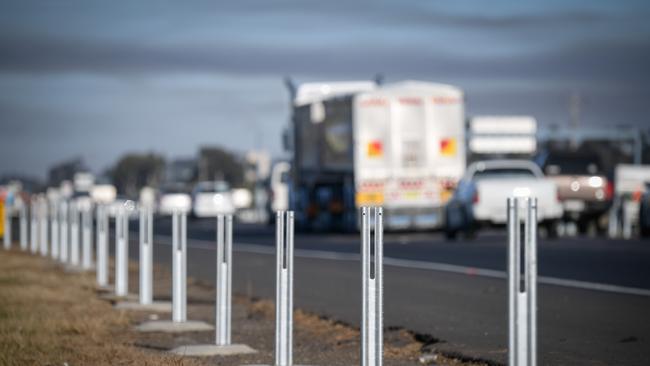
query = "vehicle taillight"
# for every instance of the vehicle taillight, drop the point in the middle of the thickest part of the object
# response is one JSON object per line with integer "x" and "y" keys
{"x": 609, "y": 190}
{"x": 475, "y": 198}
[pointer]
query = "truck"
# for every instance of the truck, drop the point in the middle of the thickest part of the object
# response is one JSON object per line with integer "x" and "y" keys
{"x": 400, "y": 146}
{"x": 481, "y": 197}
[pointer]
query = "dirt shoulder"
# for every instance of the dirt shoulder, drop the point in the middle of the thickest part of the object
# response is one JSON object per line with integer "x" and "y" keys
{"x": 52, "y": 317}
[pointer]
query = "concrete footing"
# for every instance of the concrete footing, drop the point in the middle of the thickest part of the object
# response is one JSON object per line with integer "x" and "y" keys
{"x": 198, "y": 350}
{"x": 156, "y": 306}
{"x": 168, "y": 326}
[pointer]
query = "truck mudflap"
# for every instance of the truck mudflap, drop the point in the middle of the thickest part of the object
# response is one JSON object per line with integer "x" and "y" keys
{"x": 414, "y": 218}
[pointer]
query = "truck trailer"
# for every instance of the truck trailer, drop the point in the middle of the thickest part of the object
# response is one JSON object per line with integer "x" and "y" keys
{"x": 400, "y": 146}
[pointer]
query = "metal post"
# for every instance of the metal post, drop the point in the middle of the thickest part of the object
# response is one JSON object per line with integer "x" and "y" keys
{"x": 33, "y": 229}
{"x": 43, "y": 226}
{"x": 102, "y": 246}
{"x": 224, "y": 280}
{"x": 7, "y": 234}
{"x": 146, "y": 255}
{"x": 372, "y": 282}
{"x": 179, "y": 253}
{"x": 74, "y": 234}
{"x": 284, "y": 289}
{"x": 64, "y": 230}
{"x": 87, "y": 236}
{"x": 23, "y": 226}
{"x": 121, "y": 253}
{"x": 522, "y": 294}
{"x": 54, "y": 229}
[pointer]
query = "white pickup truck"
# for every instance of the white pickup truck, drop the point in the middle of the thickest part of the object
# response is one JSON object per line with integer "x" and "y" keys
{"x": 481, "y": 196}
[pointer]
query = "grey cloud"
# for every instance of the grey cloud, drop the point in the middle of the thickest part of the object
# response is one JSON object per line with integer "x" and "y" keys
{"x": 586, "y": 61}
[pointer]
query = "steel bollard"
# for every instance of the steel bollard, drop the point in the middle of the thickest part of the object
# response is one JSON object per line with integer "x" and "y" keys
{"x": 7, "y": 223}
{"x": 64, "y": 229}
{"x": 224, "y": 280}
{"x": 146, "y": 255}
{"x": 121, "y": 253}
{"x": 102, "y": 246}
{"x": 74, "y": 234}
{"x": 23, "y": 226}
{"x": 54, "y": 230}
{"x": 179, "y": 270}
{"x": 522, "y": 294}
{"x": 87, "y": 238}
{"x": 284, "y": 289}
{"x": 43, "y": 216}
{"x": 33, "y": 229}
{"x": 372, "y": 282}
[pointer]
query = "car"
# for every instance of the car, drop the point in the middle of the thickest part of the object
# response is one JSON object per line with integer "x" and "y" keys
{"x": 174, "y": 197}
{"x": 212, "y": 198}
{"x": 481, "y": 195}
{"x": 584, "y": 190}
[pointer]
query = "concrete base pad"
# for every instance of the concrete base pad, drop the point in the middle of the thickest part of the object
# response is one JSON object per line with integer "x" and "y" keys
{"x": 112, "y": 297}
{"x": 69, "y": 268}
{"x": 168, "y": 326}
{"x": 104, "y": 289}
{"x": 156, "y": 306}
{"x": 213, "y": 350}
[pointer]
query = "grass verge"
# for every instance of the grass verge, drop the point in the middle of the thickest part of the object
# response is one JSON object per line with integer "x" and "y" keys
{"x": 49, "y": 317}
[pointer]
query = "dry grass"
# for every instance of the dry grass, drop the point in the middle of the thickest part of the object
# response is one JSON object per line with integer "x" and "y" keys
{"x": 49, "y": 317}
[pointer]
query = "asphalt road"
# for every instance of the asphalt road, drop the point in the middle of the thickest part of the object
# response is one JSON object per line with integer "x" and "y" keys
{"x": 455, "y": 292}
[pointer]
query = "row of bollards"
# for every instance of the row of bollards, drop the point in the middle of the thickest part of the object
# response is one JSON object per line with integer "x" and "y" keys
{"x": 71, "y": 218}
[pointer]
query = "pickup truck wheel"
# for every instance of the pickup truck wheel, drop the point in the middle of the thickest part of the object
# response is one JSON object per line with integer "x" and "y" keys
{"x": 552, "y": 229}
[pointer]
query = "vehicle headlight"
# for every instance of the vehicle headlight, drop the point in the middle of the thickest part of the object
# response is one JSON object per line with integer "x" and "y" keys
{"x": 595, "y": 182}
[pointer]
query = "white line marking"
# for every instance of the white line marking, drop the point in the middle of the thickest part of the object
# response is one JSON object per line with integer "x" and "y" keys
{"x": 413, "y": 264}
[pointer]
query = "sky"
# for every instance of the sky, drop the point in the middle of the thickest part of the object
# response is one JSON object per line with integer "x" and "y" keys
{"x": 98, "y": 79}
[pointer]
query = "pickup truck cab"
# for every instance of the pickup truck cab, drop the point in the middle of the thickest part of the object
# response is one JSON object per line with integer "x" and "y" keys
{"x": 481, "y": 196}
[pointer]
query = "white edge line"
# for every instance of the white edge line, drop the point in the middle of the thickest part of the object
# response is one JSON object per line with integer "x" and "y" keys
{"x": 413, "y": 264}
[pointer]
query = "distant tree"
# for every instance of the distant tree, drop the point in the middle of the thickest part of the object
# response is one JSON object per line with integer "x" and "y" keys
{"x": 134, "y": 171}
{"x": 218, "y": 164}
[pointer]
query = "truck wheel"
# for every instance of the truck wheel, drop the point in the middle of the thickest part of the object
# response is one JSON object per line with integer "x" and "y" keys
{"x": 451, "y": 235}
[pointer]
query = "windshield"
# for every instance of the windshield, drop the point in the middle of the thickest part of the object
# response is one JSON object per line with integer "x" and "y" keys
{"x": 501, "y": 173}
{"x": 572, "y": 165}
{"x": 219, "y": 186}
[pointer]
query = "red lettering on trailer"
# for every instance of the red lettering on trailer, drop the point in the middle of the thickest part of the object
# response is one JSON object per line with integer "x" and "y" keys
{"x": 374, "y": 102}
{"x": 410, "y": 101}
{"x": 445, "y": 100}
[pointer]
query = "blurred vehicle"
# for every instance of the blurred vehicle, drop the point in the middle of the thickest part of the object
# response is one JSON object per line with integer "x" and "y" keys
{"x": 174, "y": 196}
{"x": 242, "y": 198}
{"x": 644, "y": 213}
{"x": 147, "y": 197}
{"x": 279, "y": 188}
{"x": 83, "y": 182}
{"x": 210, "y": 199}
{"x": 103, "y": 193}
{"x": 583, "y": 188}
{"x": 631, "y": 183}
{"x": 480, "y": 199}
{"x": 118, "y": 203}
{"x": 400, "y": 146}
